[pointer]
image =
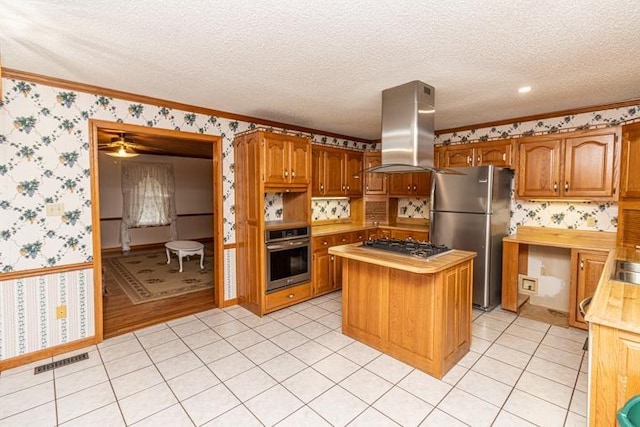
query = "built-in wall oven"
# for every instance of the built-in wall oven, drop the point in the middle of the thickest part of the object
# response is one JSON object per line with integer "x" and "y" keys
{"x": 288, "y": 257}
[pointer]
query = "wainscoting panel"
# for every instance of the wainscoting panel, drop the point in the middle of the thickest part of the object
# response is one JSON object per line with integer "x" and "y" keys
{"x": 28, "y": 311}
{"x": 230, "y": 274}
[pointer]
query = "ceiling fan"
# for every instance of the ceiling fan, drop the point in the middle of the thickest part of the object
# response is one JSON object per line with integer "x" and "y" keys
{"x": 123, "y": 147}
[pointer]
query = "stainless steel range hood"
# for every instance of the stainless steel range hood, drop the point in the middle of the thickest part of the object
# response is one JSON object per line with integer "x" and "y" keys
{"x": 408, "y": 134}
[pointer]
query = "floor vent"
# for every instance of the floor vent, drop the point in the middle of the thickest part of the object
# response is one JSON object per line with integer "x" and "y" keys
{"x": 64, "y": 362}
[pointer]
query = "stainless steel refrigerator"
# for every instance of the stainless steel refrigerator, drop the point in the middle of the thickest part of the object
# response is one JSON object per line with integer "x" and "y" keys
{"x": 471, "y": 212}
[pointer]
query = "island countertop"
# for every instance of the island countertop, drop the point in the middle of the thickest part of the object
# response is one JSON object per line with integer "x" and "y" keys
{"x": 404, "y": 262}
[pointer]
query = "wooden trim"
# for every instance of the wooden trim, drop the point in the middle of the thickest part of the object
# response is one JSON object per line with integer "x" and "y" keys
{"x": 45, "y": 271}
{"x": 216, "y": 147}
{"x": 119, "y": 218}
{"x": 230, "y": 246}
{"x": 10, "y": 73}
{"x": 47, "y": 352}
{"x": 229, "y": 303}
{"x": 569, "y": 112}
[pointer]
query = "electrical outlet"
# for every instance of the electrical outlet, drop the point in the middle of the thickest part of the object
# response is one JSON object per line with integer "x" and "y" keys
{"x": 61, "y": 312}
{"x": 591, "y": 221}
{"x": 54, "y": 209}
{"x": 528, "y": 285}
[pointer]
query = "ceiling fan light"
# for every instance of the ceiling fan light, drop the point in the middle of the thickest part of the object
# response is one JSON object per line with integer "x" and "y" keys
{"x": 122, "y": 153}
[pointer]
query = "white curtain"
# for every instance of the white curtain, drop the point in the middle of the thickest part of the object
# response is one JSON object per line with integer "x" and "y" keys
{"x": 148, "y": 193}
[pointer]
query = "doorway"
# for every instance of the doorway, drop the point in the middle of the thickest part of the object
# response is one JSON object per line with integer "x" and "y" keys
{"x": 115, "y": 313}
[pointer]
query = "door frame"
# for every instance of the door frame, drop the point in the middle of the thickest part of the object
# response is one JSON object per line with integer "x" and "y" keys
{"x": 218, "y": 243}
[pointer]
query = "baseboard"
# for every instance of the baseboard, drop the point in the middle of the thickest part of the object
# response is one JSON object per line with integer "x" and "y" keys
{"x": 148, "y": 246}
{"x": 47, "y": 352}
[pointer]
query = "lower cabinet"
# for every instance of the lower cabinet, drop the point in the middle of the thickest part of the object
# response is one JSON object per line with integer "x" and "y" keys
{"x": 586, "y": 269}
{"x": 287, "y": 297}
{"x": 327, "y": 269}
{"x": 392, "y": 233}
{"x": 614, "y": 372}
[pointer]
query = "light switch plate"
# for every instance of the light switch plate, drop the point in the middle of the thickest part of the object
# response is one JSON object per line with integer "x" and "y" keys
{"x": 54, "y": 209}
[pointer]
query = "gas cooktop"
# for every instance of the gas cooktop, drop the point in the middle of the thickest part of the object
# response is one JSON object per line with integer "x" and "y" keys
{"x": 409, "y": 247}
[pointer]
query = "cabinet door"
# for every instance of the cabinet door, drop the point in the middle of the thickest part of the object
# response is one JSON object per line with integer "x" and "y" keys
{"x": 300, "y": 161}
{"x": 588, "y": 166}
{"x": 628, "y": 369}
{"x": 630, "y": 162}
{"x": 374, "y": 183}
{"x": 353, "y": 173}
{"x": 539, "y": 168}
{"x": 497, "y": 155}
{"x": 421, "y": 184}
{"x": 336, "y": 269}
{"x": 400, "y": 184}
{"x": 333, "y": 166}
{"x": 438, "y": 156}
{"x": 458, "y": 157}
{"x": 276, "y": 160}
{"x": 317, "y": 172}
{"x": 322, "y": 277}
{"x": 587, "y": 266}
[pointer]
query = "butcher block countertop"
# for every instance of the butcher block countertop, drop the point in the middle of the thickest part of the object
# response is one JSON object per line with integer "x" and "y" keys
{"x": 616, "y": 304}
{"x": 563, "y": 238}
{"x": 401, "y": 261}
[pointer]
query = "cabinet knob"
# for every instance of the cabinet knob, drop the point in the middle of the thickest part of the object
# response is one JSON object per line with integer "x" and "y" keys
{"x": 479, "y": 159}
{"x": 290, "y": 296}
{"x": 504, "y": 157}
{"x": 415, "y": 187}
{"x": 469, "y": 159}
{"x": 321, "y": 187}
{"x": 344, "y": 239}
{"x": 366, "y": 187}
{"x": 332, "y": 258}
{"x": 286, "y": 173}
{"x": 555, "y": 187}
{"x": 348, "y": 188}
{"x": 582, "y": 265}
{"x": 324, "y": 242}
{"x": 408, "y": 188}
{"x": 293, "y": 173}
{"x": 566, "y": 186}
{"x": 343, "y": 188}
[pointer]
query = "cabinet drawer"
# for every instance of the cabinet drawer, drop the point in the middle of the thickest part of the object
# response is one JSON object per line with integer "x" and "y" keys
{"x": 342, "y": 239}
{"x": 358, "y": 236}
{"x": 324, "y": 242}
{"x": 288, "y": 296}
{"x": 413, "y": 234}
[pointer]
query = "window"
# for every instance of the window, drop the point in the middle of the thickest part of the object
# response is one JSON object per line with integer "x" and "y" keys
{"x": 148, "y": 198}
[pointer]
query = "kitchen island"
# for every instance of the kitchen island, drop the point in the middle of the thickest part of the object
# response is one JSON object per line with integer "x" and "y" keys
{"x": 416, "y": 310}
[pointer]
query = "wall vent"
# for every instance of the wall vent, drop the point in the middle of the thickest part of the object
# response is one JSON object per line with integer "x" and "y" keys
{"x": 64, "y": 362}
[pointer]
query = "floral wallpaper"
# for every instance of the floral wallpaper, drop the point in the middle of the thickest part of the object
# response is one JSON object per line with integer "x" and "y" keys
{"x": 577, "y": 215}
{"x": 413, "y": 208}
{"x": 322, "y": 209}
{"x": 273, "y": 207}
{"x": 44, "y": 158}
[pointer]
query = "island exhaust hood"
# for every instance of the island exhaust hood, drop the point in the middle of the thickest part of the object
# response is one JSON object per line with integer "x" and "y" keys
{"x": 408, "y": 134}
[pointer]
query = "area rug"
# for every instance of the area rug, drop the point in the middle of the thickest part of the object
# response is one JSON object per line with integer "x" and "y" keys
{"x": 147, "y": 277}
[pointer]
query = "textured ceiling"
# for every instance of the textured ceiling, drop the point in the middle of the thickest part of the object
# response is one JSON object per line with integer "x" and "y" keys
{"x": 324, "y": 64}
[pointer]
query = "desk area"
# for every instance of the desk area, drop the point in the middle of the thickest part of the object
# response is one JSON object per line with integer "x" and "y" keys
{"x": 589, "y": 250}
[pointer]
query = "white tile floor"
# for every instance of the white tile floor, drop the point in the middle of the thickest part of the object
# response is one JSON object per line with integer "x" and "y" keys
{"x": 295, "y": 368}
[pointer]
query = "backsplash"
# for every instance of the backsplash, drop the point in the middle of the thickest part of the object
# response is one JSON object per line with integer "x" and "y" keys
{"x": 273, "y": 207}
{"x": 324, "y": 209}
{"x": 589, "y": 216}
{"x": 413, "y": 208}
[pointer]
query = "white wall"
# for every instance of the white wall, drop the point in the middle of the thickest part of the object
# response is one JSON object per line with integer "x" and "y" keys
{"x": 194, "y": 195}
{"x": 552, "y": 267}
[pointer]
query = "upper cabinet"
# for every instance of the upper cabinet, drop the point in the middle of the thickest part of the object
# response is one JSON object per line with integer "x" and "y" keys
{"x": 336, "y": 172}
{"x": 287, "y": 160}
{"x": 630, "y": 162}
{"x": 374, "y": 183}
{"x": 576, "y": 165}
{"x": 497, "y": 153}
{"x": 417, "y": 184}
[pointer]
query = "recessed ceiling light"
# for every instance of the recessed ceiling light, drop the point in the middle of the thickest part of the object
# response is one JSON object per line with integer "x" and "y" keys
{"x": 524, "y": 89}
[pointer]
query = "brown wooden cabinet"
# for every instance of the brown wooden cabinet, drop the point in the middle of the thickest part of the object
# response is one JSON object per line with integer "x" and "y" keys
{"x": 336, "y": 172}
{"x": 286, "y": 159}
{"x": 497, "y": 153}
{"x": 375, "y": 184}
{"x": 261, "y": 159}
{"x": 576, "y": 165}
{"x": 586, "y": 269}
{"x": 614, "y": 372}
{"x": 630, "y": 162}
{"x": 327, "y": 269}
{"x": 417, "y": 184}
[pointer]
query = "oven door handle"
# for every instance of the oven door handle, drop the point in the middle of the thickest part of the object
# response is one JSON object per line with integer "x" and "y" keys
{"x": 287, "y": 245}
